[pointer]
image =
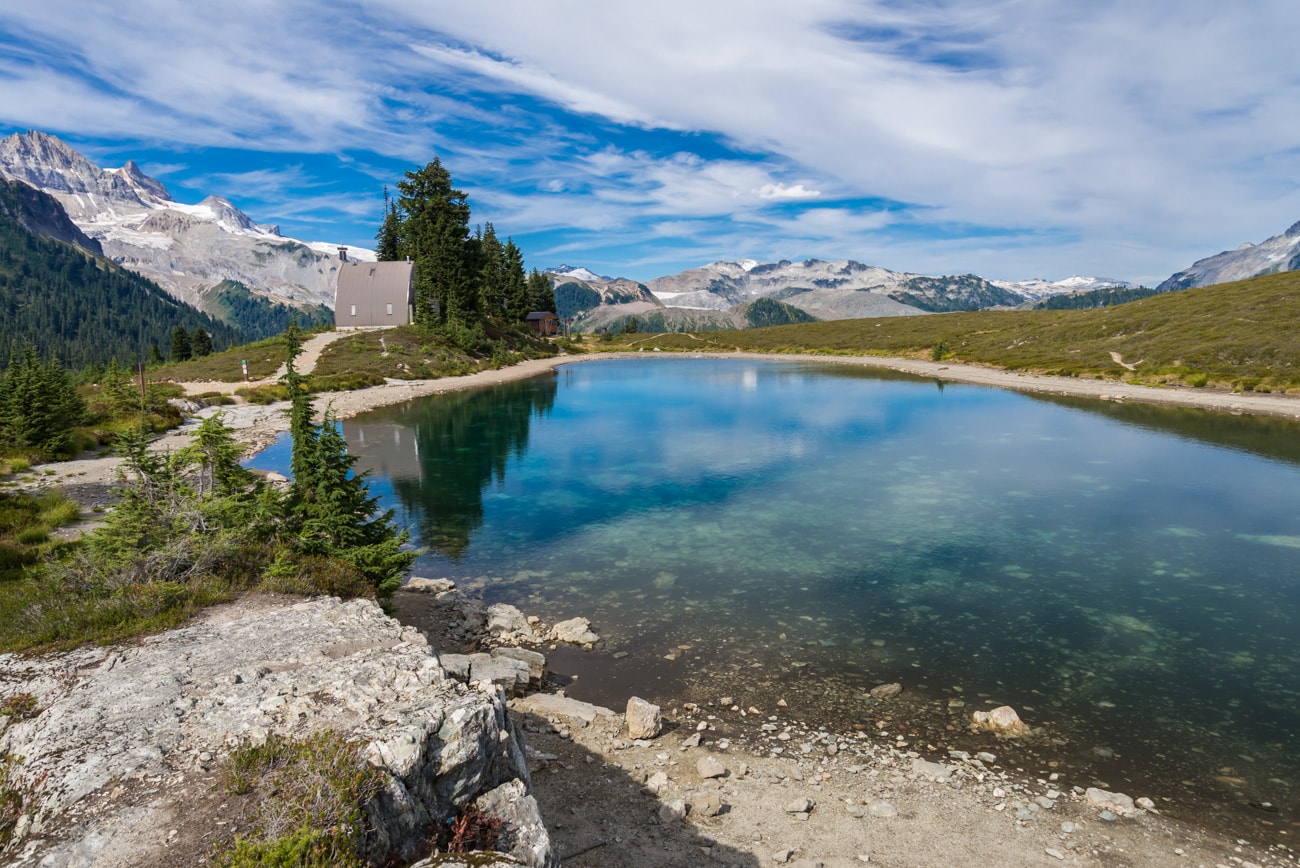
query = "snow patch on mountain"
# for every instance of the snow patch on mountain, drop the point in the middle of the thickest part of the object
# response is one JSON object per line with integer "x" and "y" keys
{"x": 1037, "y": 288}
{"x": 578, "y": 273}
{"x": 184, "y": 248}
{"x": 1276, "y": 254}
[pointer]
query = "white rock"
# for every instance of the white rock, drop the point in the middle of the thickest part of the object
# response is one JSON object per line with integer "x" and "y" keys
{"x": 799, "y": 806}
{"x": 428, "y": 586}
{"x": 708, "y": 766}
{"x": 1116, "y": 803}
{"x": 576, "y": 631}
{"x": 643, "y": 718}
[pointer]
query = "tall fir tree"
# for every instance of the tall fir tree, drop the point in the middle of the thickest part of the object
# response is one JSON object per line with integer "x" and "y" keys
{"x": 492, "y": 274}
{"x": 435, "y": 234}
{"x": 541, "y": 296}
{"x": 516, "y": 288}
{"x": 331, "y": 513}
{"x": 182, "y": 346}
{"x": 202, "y": 343}
{"x": 388, "y": 239}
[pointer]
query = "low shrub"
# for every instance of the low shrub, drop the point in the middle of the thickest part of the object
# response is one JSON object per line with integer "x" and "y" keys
{"x": 310, "y": 796}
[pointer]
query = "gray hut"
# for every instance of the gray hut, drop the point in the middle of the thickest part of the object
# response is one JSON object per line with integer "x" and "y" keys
{"x": 373, "y": 295}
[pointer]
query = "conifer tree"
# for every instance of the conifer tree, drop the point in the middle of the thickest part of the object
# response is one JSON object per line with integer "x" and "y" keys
{"x": 435, "y": 234}
{"x": 540, "y": 294}
{"x": 388, "y": 239}
{"x": 182, "y": 347}
{"x": 331, "y": 512}
{"x": 516, "y": 290}
{"x": 202, "y": 344}
{"x": 39, "y": 405}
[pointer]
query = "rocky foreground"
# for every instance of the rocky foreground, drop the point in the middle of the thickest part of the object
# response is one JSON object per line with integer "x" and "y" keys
{"x": 122, "y": 751}
{"x": 120, "y": 761}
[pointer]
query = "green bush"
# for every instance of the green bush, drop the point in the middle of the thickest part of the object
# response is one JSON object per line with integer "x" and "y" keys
{"x": 311, "y": 795}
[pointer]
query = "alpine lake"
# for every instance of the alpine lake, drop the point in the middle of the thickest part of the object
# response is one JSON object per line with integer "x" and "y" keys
{"x": 1127, "y": 577}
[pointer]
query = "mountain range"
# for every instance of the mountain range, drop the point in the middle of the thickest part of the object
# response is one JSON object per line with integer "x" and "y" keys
{"x": 188, "y": 250}
{"x": 1279, "y": 253}
{"x": 213, "y": 256}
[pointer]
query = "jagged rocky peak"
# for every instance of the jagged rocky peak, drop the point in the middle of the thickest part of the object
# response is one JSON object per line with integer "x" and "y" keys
{"x": 151, "y": 187}
{"x": 187, "y": 249}
{"x": 47, "y": 162}
{"x": 224, "y": 212}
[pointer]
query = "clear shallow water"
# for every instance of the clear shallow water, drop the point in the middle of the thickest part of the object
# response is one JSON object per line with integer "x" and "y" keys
{"x": 1125, "y": 577}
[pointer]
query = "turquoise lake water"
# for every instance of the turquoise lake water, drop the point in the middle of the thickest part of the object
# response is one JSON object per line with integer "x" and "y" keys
{"x": 1125, "y": 577}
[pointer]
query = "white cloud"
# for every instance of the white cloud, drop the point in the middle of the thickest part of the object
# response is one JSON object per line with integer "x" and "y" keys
{"x": 783, "y": 191}
{"x": 1116, "y": 137}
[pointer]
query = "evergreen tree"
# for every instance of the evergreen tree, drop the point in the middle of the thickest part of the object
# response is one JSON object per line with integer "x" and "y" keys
{"x": 182, "y": 347}
{"x": 155, "y": 354}
{"x": 388, "y": 239}
{"x": 435, "y": 234}
{"x": 331, "y": 512}
{"x": 492, "y": 274}
{"x": 540, "y": 294}
{"x": 516, "y": 289}
{"x": 202, "y": 344}
{"x": 39, "y": 404}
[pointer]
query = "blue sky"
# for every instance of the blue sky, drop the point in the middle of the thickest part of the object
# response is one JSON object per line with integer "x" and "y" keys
{"x": 1010, "y": 138}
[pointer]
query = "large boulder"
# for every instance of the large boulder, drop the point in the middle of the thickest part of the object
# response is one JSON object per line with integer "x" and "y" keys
{"x": 643, "y": 718}
{"x": 128, "y": 739}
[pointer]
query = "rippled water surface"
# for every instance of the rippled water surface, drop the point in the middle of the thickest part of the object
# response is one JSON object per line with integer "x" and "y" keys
{"x": 1126, "y": 577}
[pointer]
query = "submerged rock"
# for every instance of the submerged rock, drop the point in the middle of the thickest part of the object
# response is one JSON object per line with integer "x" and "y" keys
{"x": 422, "y": 585}
{"x": 886, "y": 691}
{"x": 576, "y": 631}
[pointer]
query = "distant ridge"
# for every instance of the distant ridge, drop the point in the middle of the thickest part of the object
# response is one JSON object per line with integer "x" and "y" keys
{"x": 1272, "y": 256}
{"x": 185, "y": 249}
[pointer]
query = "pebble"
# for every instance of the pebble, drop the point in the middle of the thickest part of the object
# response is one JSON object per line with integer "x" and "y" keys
{"x": 782, "y": 856}
{"x": 709, "y": 767}
{"x": 673, "y": 811}
{"x": 802, "y": 805}
{"x": 1054, "y": 853}
{"x": 883, "y": 810}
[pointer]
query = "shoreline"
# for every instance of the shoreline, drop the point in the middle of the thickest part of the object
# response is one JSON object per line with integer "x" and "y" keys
{"x": 721, "y": 781}
{"x": 258, "y": 426}
{"x": 962, "y": 808}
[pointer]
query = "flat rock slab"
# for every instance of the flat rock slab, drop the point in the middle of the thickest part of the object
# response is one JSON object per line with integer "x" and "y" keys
{"x": 550, "y": 705}
{"x": 128, "y": 737}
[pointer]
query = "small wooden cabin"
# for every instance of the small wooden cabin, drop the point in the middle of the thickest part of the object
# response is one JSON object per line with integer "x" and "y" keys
{"x": 373, "y": 295}
{"x": 544, "y": 323}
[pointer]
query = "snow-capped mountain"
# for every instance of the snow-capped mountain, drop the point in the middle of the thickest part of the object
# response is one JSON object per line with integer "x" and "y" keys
{"x": 584, "y": 274}
{"x": 1037, "y": 288}
{"x": 829, "y": 290}
{"x": 1279, "y": 253}
{"x": 186, "y": 249}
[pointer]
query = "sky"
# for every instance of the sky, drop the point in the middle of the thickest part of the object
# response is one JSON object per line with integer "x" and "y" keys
{"x": 1009, "y": 138}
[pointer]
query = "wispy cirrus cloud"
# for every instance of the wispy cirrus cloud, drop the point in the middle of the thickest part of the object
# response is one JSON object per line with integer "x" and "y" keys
{"x": 1004, "y": 137}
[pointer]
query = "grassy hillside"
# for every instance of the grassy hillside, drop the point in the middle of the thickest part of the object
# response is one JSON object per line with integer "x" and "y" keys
{"x": 1239, "y": 335}
{"x": 366, "y": 358}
